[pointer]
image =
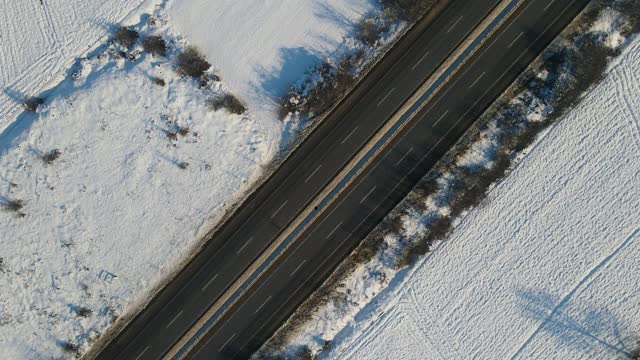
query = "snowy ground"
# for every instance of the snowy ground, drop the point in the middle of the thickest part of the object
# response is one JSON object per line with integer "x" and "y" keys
{"x": 547, "y": 268}
{"x": 40, "y": 39}
{"x": 125, "y": 203}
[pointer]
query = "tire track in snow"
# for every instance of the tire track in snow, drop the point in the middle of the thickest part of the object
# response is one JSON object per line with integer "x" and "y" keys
{"x": 569, "y": 295}
{"x": 629, "y": 84}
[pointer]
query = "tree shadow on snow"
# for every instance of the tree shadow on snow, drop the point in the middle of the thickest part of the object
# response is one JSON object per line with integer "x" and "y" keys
{"x": 585, "y": 328}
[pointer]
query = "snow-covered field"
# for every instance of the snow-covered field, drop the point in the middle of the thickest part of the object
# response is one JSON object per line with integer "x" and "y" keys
{"x": 547, "y": 267}
{"x": 125, "y": 203}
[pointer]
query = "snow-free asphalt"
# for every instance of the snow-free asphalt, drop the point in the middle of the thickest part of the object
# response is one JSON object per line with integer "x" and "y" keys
{"x": 367, "y": 199}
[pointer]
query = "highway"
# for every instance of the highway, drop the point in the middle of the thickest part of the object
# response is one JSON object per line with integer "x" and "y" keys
{"x": 270, "y": 210}
{"x": 386, "y": 180}
{"x": 274, "y": 205}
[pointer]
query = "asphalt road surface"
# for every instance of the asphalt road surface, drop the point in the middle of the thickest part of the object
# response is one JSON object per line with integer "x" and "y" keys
{"x": 317, "y": 161}
{"x": 388, "y": 179}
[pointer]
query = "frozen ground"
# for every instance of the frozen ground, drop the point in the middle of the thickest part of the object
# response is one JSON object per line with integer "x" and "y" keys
{"x": 547, "y": 268}
{"x": 125, "y": 204}
{"x": 40, "y": 39}
{"x": 272, "y": 43}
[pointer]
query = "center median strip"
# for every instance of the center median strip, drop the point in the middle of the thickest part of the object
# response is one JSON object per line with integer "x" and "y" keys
{"x": 396, "y": 123}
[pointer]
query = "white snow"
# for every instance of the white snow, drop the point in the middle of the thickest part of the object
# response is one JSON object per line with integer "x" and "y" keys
{"x": 548, "y": 268}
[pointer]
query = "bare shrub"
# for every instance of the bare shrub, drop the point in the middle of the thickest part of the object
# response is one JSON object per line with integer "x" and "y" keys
{"x": 155, "y": 45}
{"x": 159, "y": 81}
{"x": 126, "y": 37}
{"x": 14, "y": 205}
{"x": 183, "y": 131}
{"x": 50, "y": 157}
{"x": 69, "y": 347}
{"x": 369, "y": 31}
{"x": 437, "y": 230}
{"x": 83, "y": 312}
{"x": 407, "y": 10}
{"x": 171, "y": 135}
{"x": 191, "y": 62}
{"x": 32, "y": 103}
{"x": 229, "y": 102}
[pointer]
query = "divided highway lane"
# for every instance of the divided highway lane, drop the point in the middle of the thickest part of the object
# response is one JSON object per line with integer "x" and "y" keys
{"x": 387, "y": 180}
{"x": 303, "y": 175}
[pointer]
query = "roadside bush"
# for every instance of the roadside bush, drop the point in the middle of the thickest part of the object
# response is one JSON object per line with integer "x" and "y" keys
{"x": 155, "y": 45}
{"x": 191, "y": 62}
{"x": 229, "y": 102}
{"x": 631, "y": 9}
{"x": 51, "y": 156}
{"x": 159, "y": 81}
{"x": 407, "y": 10}
{"x": 32, "y": 103}
{"x": 368, "y": 31}
{"x": 14, "y": 205}
{"x": 126, "y": 37}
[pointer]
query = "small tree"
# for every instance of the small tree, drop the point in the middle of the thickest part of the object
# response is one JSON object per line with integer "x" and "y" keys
{"x": 126, "y": 37}
{"x": 51, "y": 156}
{"x": 155, "y": 45}
{"x": 159, "y": 81}
{"x": 83, "y": 312}
{"x": 32, "y": 103}
{"x": 14, "y": 205}
{"x": 191, "y": 62}
{"x": 229, "y": 102}
{"x": 70, "y": 347}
